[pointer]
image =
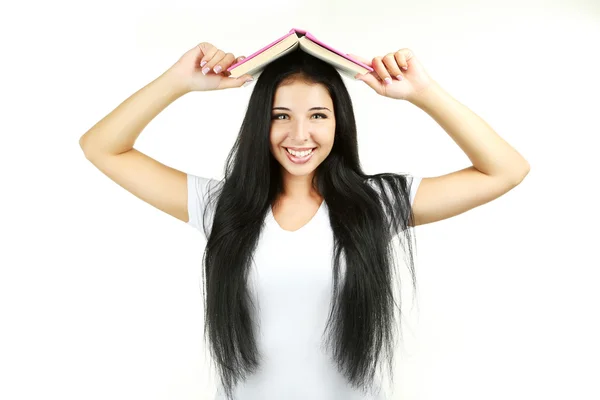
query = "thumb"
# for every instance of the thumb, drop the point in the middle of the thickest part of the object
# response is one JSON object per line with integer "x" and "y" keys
{"x": 227, "y": 83}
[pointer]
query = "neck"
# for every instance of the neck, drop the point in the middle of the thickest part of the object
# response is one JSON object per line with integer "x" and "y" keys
{"x": 298, "y": 187}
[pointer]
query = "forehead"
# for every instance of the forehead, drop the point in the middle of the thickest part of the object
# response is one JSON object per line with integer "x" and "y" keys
{"x": 299, "y": 93}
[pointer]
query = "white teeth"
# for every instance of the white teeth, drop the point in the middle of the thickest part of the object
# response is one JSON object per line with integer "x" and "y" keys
{"x": 299, "y": 153}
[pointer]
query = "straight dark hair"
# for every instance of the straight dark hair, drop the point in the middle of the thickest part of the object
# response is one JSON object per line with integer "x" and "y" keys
{"x": 366, "y": 213}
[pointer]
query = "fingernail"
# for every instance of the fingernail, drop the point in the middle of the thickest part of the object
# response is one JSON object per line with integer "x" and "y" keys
{"x": 388, "y": 80}
{"x": 205, "y": 70}
{"x": 217, "y": 69}
{"x": 399, "y": 77}
{"x": 404, "y": 68}
{"x": 247, "y": 83}
{"x": 203, "y": 63}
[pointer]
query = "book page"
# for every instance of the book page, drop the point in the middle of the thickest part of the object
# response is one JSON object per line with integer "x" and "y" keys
{"x": 259, "y": 62}
{"x": 345, "y": 66}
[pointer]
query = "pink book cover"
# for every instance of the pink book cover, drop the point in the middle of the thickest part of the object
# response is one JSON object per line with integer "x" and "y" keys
{"x": 301, "y": 32}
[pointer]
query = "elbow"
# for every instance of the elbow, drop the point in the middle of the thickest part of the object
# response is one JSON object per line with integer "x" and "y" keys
{"x": 515, "y": 175}
{"x": 82, "y": 145}
{"x": 521, "y": 174}
{"x": 526, "y": 169}
{"x": 85, "y": 146}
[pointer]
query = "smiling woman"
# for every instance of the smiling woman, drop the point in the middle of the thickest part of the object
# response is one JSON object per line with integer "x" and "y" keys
{"x": 299, "y": 260}
{"x": 298, "y": 266}
{"x": 306, "y": 223}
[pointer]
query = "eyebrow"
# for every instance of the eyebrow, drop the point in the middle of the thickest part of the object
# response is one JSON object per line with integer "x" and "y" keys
{"x": 314, "y": 108}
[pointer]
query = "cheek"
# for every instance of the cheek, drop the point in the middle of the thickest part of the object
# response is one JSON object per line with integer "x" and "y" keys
{"x": 325, "y": 136}
{"x": 275, "y": 138}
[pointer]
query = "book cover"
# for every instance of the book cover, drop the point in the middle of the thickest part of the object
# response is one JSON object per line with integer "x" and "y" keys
{"x": 299, "y": 33}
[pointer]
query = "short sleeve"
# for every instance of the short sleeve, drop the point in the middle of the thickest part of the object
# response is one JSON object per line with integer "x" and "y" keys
{"x": 198, "y": 189}
{"x": 385, "y": 182}
{"x": 414, "y": 186}
{"x": 412, "y": 182}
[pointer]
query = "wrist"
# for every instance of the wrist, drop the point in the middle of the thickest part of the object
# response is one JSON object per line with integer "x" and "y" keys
{"x": 427, "y": 96}
{"x": 174, "y": 85}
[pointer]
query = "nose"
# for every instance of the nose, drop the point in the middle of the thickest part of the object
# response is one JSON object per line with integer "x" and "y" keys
{"x": 300, "y": 132}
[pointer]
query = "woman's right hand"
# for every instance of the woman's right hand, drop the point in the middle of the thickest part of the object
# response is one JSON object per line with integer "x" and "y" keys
{"x": 195, "y": 70}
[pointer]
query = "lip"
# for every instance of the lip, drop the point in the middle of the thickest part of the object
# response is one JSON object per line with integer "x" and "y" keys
{"x": 300, "y": 148}
{"x": 298, "y": 160}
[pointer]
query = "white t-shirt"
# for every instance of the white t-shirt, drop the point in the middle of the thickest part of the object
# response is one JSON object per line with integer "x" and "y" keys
{"x": 292, "y": 281}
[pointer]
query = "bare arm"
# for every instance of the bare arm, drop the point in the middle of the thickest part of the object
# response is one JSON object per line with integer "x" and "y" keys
{"x": 109, "y": 143}
{"x": 109, "y": 146}
{"x": 117, "y": 132}
{"x": 497, "y": 167}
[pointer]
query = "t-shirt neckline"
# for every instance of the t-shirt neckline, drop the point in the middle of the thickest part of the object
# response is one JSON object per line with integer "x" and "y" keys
{"x": 302, "y": 228}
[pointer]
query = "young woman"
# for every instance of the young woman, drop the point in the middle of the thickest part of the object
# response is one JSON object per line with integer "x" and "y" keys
{"x": 298, "y": 266}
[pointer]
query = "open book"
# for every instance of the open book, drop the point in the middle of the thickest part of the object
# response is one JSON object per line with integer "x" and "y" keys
{"x": 302, "y": 40}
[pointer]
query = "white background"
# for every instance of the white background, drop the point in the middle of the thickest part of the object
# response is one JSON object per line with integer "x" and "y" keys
{"x": 100, "y": 293}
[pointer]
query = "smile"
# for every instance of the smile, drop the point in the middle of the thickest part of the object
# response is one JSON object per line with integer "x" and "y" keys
{"x": 299, "y": 157}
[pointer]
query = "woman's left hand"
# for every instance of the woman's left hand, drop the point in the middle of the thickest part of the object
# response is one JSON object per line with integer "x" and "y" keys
{"x": 397, "y": 75}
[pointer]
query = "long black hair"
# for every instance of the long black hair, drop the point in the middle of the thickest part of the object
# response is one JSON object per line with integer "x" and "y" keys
{"x": 366, "y": 213}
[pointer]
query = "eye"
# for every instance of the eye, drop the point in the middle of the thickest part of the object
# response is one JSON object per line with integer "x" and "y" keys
{"x": 284, "y": 116}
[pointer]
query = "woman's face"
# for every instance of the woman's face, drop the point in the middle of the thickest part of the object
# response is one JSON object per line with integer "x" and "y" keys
{"x": 302, "y": 123}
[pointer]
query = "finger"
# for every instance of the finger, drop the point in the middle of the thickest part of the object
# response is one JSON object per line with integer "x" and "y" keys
{"x": 227, "y": 83}
{"x": 401, "y": 60}
{"x": 236, "y": 61}
{"x": 218, "y": 56}
{"x": 208, "y": 51}
{"x": 370, "y": 79}
{"x": 381, "y": 71}
{"x": 225, "y": 62}
{"x": 392, "y": 66}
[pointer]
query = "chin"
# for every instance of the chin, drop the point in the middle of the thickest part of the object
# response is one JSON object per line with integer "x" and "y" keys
{"x": 296, "y": 172}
